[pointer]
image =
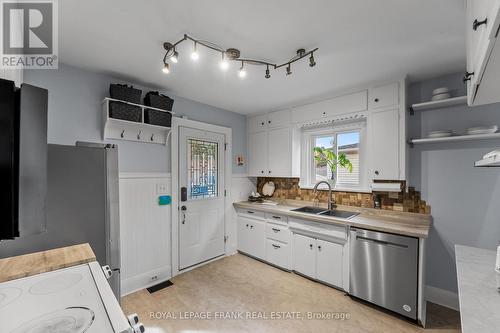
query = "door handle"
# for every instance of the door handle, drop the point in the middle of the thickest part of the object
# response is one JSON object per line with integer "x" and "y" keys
{"x": 379, "y": 242}
{"x": 183, "y": 209}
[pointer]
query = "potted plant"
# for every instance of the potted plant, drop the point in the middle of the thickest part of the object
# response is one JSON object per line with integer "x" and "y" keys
{"x": 327, "y": 157}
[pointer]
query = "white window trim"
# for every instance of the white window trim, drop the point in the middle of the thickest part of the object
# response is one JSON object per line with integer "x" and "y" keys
{"x": 306, "y": 158}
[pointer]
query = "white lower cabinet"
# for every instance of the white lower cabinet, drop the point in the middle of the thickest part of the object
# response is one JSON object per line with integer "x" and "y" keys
{"x": 252, "y": 237}
{"x": 278, "y": 254}
{"x": 318, "y": 259}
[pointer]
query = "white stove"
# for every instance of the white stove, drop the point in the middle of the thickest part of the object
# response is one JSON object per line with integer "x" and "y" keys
{"x": 72, "y": 300}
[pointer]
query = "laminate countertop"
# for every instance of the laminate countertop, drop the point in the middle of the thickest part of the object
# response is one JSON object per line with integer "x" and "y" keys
{"x": 40, "y": 262}
{"x": 477, "y": 290}
{"x": 401, "y": 223}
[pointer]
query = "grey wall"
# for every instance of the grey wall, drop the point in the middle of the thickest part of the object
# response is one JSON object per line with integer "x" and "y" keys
{"x": 465, "y": 201}
{"x": 75, "y": 98}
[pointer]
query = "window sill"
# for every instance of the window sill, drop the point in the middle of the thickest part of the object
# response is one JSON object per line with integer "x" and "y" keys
{"x": 337, "y": 188}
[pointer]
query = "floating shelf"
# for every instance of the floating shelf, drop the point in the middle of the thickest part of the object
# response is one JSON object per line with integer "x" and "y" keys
{"x": 119, "y": 129}
{"x": 455, "y": 138}
{"x": 488, "y": 162}
{"x": 462, "y": 100}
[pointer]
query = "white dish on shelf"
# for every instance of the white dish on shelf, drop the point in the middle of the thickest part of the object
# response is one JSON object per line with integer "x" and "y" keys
{"x": 440, "y": 134}
{"x": 482, "y": 130}
{"x": 440, "y": 97}
{"x": 494, "y": 153}
{"x": 442, "y": 90}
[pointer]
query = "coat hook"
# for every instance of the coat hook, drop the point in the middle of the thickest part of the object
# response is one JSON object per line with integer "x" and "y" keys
{"x": 152, "y": 137}
{"x": 122, "y": 135}
{"x": 139, "y": 135}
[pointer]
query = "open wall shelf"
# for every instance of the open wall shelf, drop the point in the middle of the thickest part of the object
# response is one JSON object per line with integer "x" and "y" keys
{"x": 119, "y": 129}
{"x": 431, "y": 105}
{"x": 455, "y": 138}
{"x": 488, "y": 162}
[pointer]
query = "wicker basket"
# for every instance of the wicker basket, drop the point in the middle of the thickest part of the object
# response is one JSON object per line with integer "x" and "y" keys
{"x": 158, "y": 118}
{"x": 124, "y": 111}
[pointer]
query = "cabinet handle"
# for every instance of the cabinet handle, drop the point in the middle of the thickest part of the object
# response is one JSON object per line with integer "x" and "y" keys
{"x": 268, "y": 121}
{"x": 467, "y": 76}
{"x": 247, "y": 225}
{"x": 269, "y": 171}
{"x": 476, "y": 24}
{"x": 250, "y": 212}
{"x": 324, "y": 112}
{"x": 262, "y": 171}
{"x": 376, "y": 100}
{"x": 263, "y": 123}
{"x": 251, "y": 227}
{"x": 319, "y": 247}
{"x": 277, "y": 217}
{"x": 276, "y": 246}
{"x": 310, "y": 246}
{"x": 376, "y": 172}
{"x": 276, "y": 230}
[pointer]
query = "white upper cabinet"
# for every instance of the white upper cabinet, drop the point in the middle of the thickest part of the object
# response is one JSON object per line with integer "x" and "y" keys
{"x": 384, "y": 145}
{"x": 483, "y": 51}
{"x": 279, "y": 119}
{"x": 257, "y": 123}
{"x": 384, "y": 96}
{"x": 257, "y": 154}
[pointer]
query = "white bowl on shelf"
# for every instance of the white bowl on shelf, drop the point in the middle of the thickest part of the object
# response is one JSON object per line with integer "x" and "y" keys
{"x": 440, "y": 134}
{"x": 440, "y": 97}
{"x": 482, "y": 130}
{"x": 442, "y": 90}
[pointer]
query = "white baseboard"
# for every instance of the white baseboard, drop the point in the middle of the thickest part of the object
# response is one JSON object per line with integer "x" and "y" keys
{"x": 442, "y": 297}
{"x": 142, "y": 281}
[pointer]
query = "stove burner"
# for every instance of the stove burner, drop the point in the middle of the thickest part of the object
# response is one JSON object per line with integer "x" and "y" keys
{"x": 9, "y": 295}
{"x": 69, "y": 320}
{"x": 54, "y": 284}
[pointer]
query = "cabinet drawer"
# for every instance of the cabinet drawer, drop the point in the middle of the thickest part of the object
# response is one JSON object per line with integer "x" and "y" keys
{"x": 251, "y": 213}
{"x": 278, "y": 254}
{"x": 384, "y": 96}
{"x": 278, "y": 232}
{"x": 277, "y": 218}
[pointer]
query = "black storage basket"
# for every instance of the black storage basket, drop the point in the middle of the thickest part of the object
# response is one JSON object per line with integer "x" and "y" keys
{"x": 124, "y": 111}
{"x": 125, "y": 93}
{"x": 157, "y": 100}
{"x": 158, "y": 118}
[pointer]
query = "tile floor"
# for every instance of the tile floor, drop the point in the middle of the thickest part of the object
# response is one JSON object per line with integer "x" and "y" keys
{"x": 241, "y": 286}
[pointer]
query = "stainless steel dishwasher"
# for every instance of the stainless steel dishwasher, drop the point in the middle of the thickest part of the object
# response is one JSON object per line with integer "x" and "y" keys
{"x": 384, "y": 270}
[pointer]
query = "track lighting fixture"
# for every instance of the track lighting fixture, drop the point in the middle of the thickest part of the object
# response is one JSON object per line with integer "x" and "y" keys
{"x": 312, "y": 63}
{"x": 194, "y": 55}
{"x": 166, "y": 68}
{"x": 267, "y": 73}
{"x": 231, "y": 54}
{"x": 242, "y": 73}
{"x": 175, "y": 57}
{"x": 224, "y": 64}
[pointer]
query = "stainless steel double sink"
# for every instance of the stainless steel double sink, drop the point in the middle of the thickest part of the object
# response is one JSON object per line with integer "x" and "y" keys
{"x": 325, "y": 212}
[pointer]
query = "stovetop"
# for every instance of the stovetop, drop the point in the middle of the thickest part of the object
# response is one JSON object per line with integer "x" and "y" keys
{"x": 62, "y": 301}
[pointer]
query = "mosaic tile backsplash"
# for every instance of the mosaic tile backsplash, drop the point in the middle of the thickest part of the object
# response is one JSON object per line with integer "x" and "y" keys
{"x": 288, "y": 188}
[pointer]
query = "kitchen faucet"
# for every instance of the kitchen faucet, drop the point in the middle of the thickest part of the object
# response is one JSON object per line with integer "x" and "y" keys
{"x": 331, "y": 202}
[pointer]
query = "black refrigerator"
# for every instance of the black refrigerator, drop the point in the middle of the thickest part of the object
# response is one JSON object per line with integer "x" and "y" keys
{"x": 23, "y": 159}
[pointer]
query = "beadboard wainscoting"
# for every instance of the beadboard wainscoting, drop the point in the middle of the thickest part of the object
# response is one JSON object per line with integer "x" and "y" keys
{"x": 145, "y": 228}
{"x": 241, "y": 188}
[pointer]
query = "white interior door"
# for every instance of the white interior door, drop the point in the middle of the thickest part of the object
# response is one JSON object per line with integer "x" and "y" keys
{"x": 201, "y": 182}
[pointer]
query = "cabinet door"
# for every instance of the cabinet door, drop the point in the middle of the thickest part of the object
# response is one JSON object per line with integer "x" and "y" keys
{"x": 384, "y": 145}
{"x": 279, "y": 153}
{"x": 279, "y": 119}
{"x": 257, "y": 154}
{"x": 243, "y": 233}
{"x": 257, "y": 123}
{"x": 384, "y": 96}
{"x": 329, "y": 262}
{"x": 304, "y": 255}
{"x": 257, "y": 239}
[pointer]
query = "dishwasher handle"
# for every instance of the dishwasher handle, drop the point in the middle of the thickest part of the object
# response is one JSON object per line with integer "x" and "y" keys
{"x": 380, "y": 242}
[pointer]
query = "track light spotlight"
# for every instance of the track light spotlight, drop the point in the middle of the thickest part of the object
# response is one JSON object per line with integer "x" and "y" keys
{"x": 175, "y": 57}
{"x": 166, "y": 68}
{"x": 224, "y": 64}
{"x": 195, "y": 56}
{"x": 242, "y": 73}
{"x": 289, "y": 69}
{"x": 312, "y": 63}
{"x": 267, "y": 73}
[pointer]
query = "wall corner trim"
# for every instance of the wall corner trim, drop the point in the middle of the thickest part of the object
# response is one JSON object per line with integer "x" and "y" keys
{"x": 442, "y": 297}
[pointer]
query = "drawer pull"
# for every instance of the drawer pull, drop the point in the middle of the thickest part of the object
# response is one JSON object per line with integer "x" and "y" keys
{"x": 276, "y": 246}
{"x": 476, "y": 24}
{"x": 247, "y": 225}
{"x": 276, "y": 230}
{"x": 277, "y": 217}
{"x": 251, "y": 227}
{"x": 250, "y": 212}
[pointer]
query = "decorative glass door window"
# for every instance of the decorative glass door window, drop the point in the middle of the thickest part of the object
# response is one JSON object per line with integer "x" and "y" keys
{"x": 203, "y": 173}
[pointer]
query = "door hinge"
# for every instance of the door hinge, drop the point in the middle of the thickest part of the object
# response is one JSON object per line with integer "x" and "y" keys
{"x": 225, "y": 146}
{"x": 225, "y": 193}
{"x": 226, "y": 238}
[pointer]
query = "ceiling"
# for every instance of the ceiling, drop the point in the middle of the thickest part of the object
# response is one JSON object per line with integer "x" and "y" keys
{"x": 359, "y": 41}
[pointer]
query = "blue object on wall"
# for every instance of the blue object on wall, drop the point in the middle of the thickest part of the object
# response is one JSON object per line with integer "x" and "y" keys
{"x": 164, "y": 200}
